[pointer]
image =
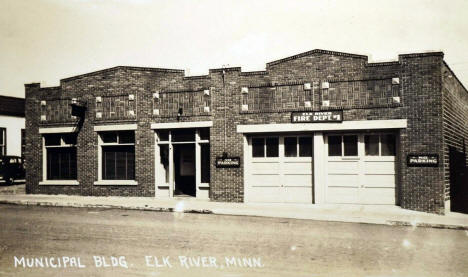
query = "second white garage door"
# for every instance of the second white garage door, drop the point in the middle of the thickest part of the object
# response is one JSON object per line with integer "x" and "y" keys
{"x": 279, "y": 169}
{"x": 360, "y": 169}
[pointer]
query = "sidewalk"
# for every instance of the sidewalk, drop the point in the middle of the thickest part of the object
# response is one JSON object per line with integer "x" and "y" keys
{"x": 371, "y": 214}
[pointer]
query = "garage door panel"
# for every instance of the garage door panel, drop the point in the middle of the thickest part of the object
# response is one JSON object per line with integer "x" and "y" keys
{"x": 265, "y": 180}
{"x": 297, "y": 180}
{"x": 265, "y": 168}
{"x": 379, "y": 181}
{"x": 302, "y": 168}
{"x": 341, "y": 167}
{"x": 298, "y": 194}
{"x": 342, "y": 195}
{"x": 386, "y": 167}
{"x": 384, "y": 196}
{"x": 343, "y": 180}
{"x": 265, "y": 194}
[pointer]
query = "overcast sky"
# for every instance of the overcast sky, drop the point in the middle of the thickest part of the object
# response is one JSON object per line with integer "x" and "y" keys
{"x": 48, "y": 40}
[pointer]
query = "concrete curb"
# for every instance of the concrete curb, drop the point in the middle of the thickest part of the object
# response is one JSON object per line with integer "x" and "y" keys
{"x": 427, "y": 225}
{"x": 100, "y": 206}
{"x": 207, "y": 211}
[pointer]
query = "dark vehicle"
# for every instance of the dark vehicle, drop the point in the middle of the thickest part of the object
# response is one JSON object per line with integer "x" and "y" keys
{"x": 11, "y": 168}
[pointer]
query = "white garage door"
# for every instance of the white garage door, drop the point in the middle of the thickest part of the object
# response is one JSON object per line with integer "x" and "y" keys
{"x": 279, "y": 169}
{"x": 360, "y": 168}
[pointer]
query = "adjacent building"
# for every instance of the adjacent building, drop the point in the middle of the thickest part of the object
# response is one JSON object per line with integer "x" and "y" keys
{"x": 11, "y": 126}
{"x": 321, "y": 127}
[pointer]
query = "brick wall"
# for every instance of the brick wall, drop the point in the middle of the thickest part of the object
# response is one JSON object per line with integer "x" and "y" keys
{"x": 455, "y": 137}
{"x": 422, "y": 188}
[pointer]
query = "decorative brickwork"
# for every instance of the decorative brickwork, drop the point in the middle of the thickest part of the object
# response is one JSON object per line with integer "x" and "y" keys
{"x": 56, "y": 111}
{"x": 192, "y": 103}
{"x": 119, "y": 107}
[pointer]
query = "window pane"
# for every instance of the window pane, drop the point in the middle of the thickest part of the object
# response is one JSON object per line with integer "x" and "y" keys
{"x": 69, "y": 138}
{"x": 334, "y": 146}
{"x": 290, "y": 147}
{"x": 118, "y": 162}
{"x": 305, "y": 147}
{"x": 108, "y": 163}
{"x": 130, "y": 163}
{"x": 61, "y": 163}
{"x": 163, "y": 135}
{"x": 350, "y": 145}
{"x": 2, "y": 135}
{"x": 272, "y": 147}
{"x": 164, "y": 158}
{"x": 183, "y": 135}
{"x": 127, "y": 137}
{"x": 73, "y": 166}
{"x": 64, "y": 164}
{"x": 205, "y": 163}
{"x": 53, "y": 139}
{"x": 371, "y": 143}
{"x": 109, "y": 137}
{"x": 53, "y": 168}
{"x": 204, "y": 133}
{"x": 258, "y": 149}
{"x": 388, "y": 145}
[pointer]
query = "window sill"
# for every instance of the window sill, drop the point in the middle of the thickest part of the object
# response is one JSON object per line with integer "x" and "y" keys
{"x": 116, "y": 183}
{"x": 59, "y": 183}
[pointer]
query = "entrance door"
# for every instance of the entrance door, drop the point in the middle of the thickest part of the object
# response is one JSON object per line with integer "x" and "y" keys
{"x": 184, "y": 169}
{"x": 279, "y": 169}
{"x": 360, "y": 168}
{"x": 182, "y": 161}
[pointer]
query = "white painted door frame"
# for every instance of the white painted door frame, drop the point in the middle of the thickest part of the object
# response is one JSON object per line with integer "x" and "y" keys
{"x": 160, "y": 187}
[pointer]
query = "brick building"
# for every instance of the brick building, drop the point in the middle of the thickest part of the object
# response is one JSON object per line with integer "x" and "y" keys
{"x": 317, "y": 127}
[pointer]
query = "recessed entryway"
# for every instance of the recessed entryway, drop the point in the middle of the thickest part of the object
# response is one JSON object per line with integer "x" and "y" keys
{"x": 182, "y": 162}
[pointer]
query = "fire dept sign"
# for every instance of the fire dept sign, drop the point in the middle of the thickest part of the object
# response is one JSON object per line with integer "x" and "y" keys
{"x": 317, "y": 117}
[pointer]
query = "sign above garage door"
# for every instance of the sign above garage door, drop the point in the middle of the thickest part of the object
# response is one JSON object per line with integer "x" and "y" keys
{"x": 317, "y": 117}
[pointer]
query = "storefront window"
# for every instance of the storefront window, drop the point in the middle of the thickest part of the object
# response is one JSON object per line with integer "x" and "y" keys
{"x": 350, "y": 145}
{"x": 290, "y": 147}
{"x": 60, "y": 156}
{"x": 305, "y": 147}
{"x": 371, "y": 145}
{"x": 118, "y": 155}
{"x": 334, "y": 146}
